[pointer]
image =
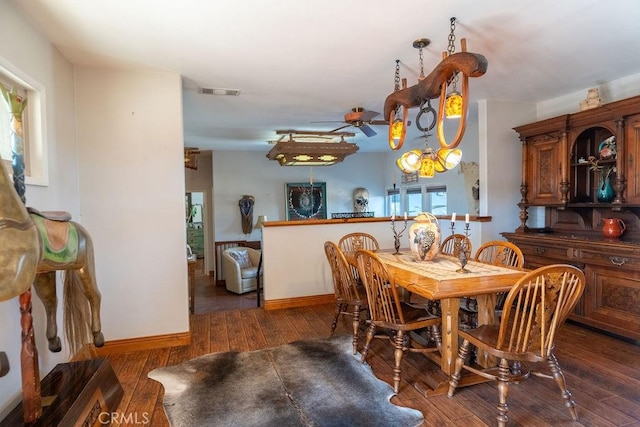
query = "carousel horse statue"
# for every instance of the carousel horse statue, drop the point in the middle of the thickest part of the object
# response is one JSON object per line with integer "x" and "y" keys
{"x": 34, "y": 246}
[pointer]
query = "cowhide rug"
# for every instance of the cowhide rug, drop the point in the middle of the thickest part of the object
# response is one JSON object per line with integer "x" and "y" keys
{"x": 306, "y": 383}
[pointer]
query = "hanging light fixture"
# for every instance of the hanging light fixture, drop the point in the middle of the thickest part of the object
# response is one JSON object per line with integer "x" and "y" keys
{"x": 453, "y": 103}
{"x": 397, "y": 126}
{"x": 310, "y": 148}
{"x": 453, "y": 67}
{"x": 427, "y": 162}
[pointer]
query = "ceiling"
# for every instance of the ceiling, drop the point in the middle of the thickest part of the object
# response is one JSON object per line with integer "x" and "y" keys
{"x": 296, "y": 62}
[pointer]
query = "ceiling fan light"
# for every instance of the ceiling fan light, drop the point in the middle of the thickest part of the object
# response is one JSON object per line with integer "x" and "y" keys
{"x": 409, "y": 162}
{"x": 311, "y": 150}
{"x": 453, "y": 105}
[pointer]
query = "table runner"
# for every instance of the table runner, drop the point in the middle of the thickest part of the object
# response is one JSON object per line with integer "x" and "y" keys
{"x": 443, "y": 267}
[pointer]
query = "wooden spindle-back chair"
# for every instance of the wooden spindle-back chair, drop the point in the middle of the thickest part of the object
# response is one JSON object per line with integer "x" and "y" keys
{"x": 534, "y": 310}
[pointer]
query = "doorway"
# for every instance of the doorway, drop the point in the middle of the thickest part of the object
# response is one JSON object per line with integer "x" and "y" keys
{"x": 195, "y": 227}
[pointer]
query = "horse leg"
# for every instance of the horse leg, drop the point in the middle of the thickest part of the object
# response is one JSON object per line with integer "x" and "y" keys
{"x": 92, "y": 293}
{"x": 45, "y": 286}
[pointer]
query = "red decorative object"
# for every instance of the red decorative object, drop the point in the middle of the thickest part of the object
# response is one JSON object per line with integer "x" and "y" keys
{"x": 613, "y": 227}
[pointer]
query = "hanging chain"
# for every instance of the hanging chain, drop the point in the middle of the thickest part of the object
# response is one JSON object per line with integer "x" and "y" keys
{"x": 452, "y": 48}
{"x": 421, "y": 63}
{"x": 452, "y": 37}
{"x": 396, "y": 82}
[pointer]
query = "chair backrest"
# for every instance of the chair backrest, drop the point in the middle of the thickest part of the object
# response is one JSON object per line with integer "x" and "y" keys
{"x": 352, "y": 242}
{"x": 451, "y": 245}
{"x": 502, "y": 253}
{"x": 344, "y": 283}
{"x": 536, "y": 307}
{"x": 382, "y": 292}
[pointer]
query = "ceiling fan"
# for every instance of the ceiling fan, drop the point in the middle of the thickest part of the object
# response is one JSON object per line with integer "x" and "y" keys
{"x": 360, "y": 118}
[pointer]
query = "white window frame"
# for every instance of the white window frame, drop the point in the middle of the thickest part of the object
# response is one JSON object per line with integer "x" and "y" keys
{"x": 36, "y": 171}
{"x": 402, "y": 192}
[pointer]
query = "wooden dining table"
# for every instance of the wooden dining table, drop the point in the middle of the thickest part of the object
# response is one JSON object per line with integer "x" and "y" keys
{"x": 442, "y": 279}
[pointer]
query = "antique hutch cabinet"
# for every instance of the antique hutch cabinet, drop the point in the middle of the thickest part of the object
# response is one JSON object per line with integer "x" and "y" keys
{"x": 565, "y": 161}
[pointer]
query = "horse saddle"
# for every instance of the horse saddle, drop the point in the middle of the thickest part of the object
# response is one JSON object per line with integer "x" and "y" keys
{"x": 59, "y": 236}
{"x": 51, "y": 215}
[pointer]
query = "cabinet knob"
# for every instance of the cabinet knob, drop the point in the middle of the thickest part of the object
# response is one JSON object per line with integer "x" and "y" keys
{"x": 540, "y": 250}
{"x": 615, "y": 260}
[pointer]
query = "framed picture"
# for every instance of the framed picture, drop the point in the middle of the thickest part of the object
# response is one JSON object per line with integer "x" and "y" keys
{"x": 306, "y": 201}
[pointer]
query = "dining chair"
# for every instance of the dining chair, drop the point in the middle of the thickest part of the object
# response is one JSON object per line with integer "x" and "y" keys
{"x": 350, "y": 243}
{"x": 534, "y": 310}
{"x": 451, "y": 244}
{"x": 350, "y": 300}
{"x": 495, "y": 252}
{"x": 387, "y": 311}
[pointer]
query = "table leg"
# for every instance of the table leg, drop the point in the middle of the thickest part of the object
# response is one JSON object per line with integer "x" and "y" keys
{"x": 437, "y": 383}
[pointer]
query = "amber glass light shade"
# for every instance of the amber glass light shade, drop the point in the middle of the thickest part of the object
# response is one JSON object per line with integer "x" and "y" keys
{"x": 427, "y": 167}
{"x": 448, "y": 158}
{"x": 397, "y": 129}
{"x": 453, "y": 105}
{"x": 409, "y": 162}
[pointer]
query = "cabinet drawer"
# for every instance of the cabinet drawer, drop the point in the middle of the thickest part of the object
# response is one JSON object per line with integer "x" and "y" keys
{"x": 554, "y": 253}
{"x": 620, "y": 260}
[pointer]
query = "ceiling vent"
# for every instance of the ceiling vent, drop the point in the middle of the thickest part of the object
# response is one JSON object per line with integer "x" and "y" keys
{"x": 220, "y": 92}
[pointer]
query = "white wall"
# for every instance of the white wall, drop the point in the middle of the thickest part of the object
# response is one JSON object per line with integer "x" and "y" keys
{"x": 131, "y": 173}
{"x": 295, "y": 264}
{"x": 616, "y": 90}
{"x": 26, "y": 50}
{"x": 239, "y": 173}
{"x": 501, "y": 160}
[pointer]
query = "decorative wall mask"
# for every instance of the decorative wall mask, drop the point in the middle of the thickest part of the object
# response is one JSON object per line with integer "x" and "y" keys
{"x": 360, "y": 199}
{"x": 246, "y": 212}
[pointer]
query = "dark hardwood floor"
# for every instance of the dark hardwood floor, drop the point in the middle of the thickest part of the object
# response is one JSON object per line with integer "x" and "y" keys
{"x": 210, "y": 298}
{"x": 602, "y": 372}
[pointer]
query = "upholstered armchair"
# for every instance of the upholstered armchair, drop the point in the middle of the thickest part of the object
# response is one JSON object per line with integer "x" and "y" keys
{"x": 240, "y": 268}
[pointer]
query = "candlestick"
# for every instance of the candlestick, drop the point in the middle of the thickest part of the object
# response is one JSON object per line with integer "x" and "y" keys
{"x": 397, "y": 234}
{"x": 461, "y": 246}
{"x": 466, "y": 218}
{"x": 405, "y": 216}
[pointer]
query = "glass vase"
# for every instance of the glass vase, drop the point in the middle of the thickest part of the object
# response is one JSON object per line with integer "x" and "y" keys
{"x": 605, "y": 192}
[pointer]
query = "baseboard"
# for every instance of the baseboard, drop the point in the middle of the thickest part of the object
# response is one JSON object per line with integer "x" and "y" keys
{"x": 276, "y": 304}
{"x": 143, "y": 343}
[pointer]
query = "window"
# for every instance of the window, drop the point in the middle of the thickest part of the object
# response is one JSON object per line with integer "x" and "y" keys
{"x": 5, "y": 126}
{"x": 32, "y": 125}
{"x": 417, "y": 199}
{"x": 437, "y": 199}
{"x": 414, "y": 204}
{"x": 393, "y": 201}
